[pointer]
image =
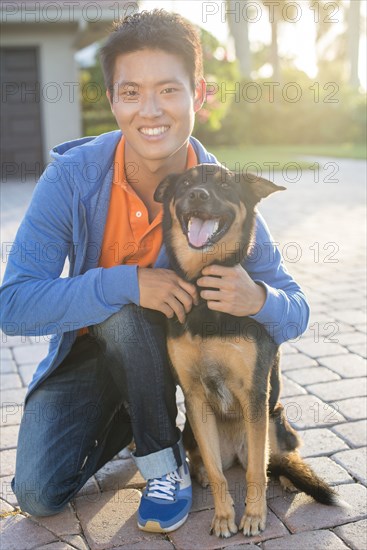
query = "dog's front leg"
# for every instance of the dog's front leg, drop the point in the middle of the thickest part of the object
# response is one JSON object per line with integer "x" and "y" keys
{"x": 256, "y": 419}
{"x": 204, "y": 426}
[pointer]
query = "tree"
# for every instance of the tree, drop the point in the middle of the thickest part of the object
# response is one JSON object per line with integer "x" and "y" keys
{"x": 277, "y": 9}
{"x": 337, "y": 38}
{"x": 330, "y": 40}
{"x": 238, "y": 28}
{"x": 354, "y": 27}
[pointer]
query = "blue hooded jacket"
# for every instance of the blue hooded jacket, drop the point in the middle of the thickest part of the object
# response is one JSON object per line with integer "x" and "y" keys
{"x": 66, "y": 220}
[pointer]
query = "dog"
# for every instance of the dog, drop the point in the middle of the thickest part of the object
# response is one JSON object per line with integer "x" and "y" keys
{"x": 227, "y": 366}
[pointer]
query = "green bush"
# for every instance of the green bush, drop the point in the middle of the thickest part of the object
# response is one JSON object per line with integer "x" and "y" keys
{"x": 300, "y": 112}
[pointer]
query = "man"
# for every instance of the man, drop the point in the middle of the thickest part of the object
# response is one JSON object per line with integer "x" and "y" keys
{"x": 100, "y": 387}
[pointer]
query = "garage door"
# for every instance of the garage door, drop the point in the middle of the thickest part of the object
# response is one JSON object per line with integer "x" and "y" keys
{"x": 21, "y": 136}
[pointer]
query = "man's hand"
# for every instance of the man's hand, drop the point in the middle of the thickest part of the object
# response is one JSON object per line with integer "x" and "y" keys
{"x": 234, "y": 291}
{"x": 164, "y": 291}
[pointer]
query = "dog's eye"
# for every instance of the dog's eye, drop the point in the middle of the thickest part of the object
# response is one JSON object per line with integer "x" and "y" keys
{"x": 186, "y": 183}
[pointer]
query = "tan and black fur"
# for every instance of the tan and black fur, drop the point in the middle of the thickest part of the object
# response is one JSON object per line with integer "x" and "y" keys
{"x": 227, "y": 366}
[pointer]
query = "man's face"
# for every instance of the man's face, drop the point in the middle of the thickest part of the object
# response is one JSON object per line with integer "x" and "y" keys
{"x": 153, "y": 103}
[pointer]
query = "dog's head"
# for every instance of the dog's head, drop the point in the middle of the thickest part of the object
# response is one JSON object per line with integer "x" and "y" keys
{"x": 209, "y": 216}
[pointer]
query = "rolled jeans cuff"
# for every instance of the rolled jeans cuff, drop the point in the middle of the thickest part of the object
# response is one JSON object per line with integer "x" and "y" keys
{"x": 161, "y": 462}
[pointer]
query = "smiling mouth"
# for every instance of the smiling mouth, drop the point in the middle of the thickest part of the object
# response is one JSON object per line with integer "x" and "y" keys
{"x": 156, "y": 131}
{"x": 202, "y": 230}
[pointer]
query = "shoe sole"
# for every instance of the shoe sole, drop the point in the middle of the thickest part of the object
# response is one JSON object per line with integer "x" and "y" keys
{"x": 155, "y": 527}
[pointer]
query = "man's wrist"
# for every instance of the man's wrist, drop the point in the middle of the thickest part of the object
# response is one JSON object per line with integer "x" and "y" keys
{"x": 260, "y": 298}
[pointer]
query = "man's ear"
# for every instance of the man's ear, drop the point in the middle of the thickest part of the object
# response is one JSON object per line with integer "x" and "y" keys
{"x": 200, "y": 95}
{"x": 165, "y": 188}
{"x": 259, "y": 187}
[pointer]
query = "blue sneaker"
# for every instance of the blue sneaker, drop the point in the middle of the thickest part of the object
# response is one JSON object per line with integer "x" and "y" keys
{"x": 166, "y": 502}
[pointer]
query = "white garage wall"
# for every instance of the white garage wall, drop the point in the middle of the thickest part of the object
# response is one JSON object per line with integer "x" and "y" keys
{"x": 60, "y": 104}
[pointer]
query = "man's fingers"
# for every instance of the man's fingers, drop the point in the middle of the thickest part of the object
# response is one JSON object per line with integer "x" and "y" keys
{"x": 211, "y": 282}
{"x": 217, "y": 306}
{"x": 178, "y": 308}
{"x": 217, "y": 270}
{"x": 163, "y": 290}
{"x": 211, "y": 295}
{"x": 189, "y": 288}
{"x": 185, "y": 298}
{"x": 167, "y": 311}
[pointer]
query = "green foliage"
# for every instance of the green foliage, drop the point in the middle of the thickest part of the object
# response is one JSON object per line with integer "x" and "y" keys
{"x": 267, "y": 112}
{"x": 97, "y": 115}
{"x": 218, "y": 72}
{"x": 297, "y": 111}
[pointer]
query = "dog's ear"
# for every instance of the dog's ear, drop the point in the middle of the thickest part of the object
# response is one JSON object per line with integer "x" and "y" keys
{"x": 165, "y": 187}
{"x": 258, "y": 187}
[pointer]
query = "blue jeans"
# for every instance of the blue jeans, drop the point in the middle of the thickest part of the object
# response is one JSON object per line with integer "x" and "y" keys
{"x": 114, "y": 385}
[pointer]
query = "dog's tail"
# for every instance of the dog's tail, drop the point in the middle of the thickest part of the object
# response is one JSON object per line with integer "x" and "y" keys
{"x": 292, "y": 467}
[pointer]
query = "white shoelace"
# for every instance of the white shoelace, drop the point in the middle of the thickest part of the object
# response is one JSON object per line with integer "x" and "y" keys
{"x": 163, "y": 488}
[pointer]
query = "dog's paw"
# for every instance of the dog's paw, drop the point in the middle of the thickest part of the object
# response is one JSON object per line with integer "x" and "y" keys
{"x": 131, "y": 446}
{"x": 198, "y": 471}
{"x": 253, "y": 524}
{"x": 223, "y": 527}
{"x": 287, "y": 485}
{"x": 201, "y": 476}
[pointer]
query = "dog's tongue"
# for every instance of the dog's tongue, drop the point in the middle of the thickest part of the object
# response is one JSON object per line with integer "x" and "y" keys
{"x": 201, "y": 230}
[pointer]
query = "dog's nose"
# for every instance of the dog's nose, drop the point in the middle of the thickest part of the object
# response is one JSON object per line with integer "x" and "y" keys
{"x": 198, "y": 194}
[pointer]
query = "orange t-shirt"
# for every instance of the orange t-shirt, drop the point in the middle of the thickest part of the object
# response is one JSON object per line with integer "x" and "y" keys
{"x": 129, "y": 238}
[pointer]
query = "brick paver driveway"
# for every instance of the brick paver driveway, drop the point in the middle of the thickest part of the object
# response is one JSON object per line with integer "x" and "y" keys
{"x": 319, "y": 223}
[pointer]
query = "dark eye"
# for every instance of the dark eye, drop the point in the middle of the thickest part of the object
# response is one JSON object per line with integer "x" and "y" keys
{"x": 169, "y": 90}
{"x": 186, "y": 183}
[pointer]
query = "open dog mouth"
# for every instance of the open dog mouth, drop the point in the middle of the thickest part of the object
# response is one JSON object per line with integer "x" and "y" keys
{"x": 202, "y": 229}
